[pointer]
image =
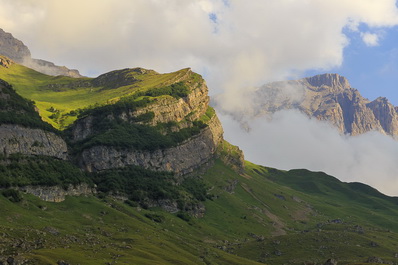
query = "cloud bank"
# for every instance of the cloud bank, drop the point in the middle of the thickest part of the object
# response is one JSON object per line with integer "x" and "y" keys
{"x": 235, "y": 44}
{"x": 291, "y": 140}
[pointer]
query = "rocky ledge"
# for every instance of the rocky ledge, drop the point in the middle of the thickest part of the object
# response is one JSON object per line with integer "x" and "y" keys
{"x": 181, "y": 159}
{"x": 165, "y": 109}
{"x": 17, "y": 139}
{"x": 58, "y": 194}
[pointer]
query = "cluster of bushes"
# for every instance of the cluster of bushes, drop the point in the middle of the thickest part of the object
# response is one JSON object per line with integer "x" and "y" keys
{"x": 137, "y": 183}
{"x": 19, "y": 170}
{"x": 140, "y": 184}
{"x": 12, "y": 195}
{"x": 118, "y": 133}
{"x": 14, "y": 109}
{"x": 177, "y": 90}
{"x": 196, "y": 187}
{"x": 131, "y": 103}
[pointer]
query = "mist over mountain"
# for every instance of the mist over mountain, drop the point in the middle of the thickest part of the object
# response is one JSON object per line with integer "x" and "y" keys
{"x": 326, "y": 97}
{"x": 17, "y": 51}
{"x": 319, "y": 123}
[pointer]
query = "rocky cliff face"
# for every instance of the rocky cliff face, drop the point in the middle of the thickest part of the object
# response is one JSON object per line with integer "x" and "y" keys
{"x": 12, "y": 47}
{"x": 329, "y": 97}
{"x": 164, "y": 109}
{"x": 17, "y": 51}
{"x": 181, "y": 159}
{"x": 21, "y": 129}
{"x": 17, "y": 139}
{"x": 182, "y": 112}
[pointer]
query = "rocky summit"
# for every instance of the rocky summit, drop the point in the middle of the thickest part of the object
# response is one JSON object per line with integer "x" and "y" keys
{"x": 329, "y": 97}
{"x": 17, "y": 51}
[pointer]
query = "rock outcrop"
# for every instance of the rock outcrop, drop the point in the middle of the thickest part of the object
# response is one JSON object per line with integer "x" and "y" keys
{"x": 329, "y": 97}
{"x": 17, "y": 51}
{"x": 181, "y": 159}
{"x": 181, "y": 112}
{"x": 5, "y": 62}
{"x": 21, "y": 129}
{"x": 58, "y": 194}
{"x": 12, "y": 47}
{"x": 164, "y": 109}
{"x": 15, "y": 139}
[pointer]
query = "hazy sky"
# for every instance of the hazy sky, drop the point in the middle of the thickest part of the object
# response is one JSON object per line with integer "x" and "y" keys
{"x": 235, "y": 45}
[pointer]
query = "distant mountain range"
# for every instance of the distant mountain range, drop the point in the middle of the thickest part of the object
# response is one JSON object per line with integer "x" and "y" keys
{"x": 328, "y": 97}
{"x": 17, "y": 51}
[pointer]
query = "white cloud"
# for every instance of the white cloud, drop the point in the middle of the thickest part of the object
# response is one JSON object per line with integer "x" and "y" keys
{"x": 292, "y": 140}
{"x": 250, "y": 43}
{"x": 370, "y": 39}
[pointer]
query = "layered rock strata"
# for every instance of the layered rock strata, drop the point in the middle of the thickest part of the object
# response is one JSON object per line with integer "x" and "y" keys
{"x": 165, "y": 109}
{"x": 329, "y": 97}
{"x": 181, "y": 159}
{"x": 17, "y": 139}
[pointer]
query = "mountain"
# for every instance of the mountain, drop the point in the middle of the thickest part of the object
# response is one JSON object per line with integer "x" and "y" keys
{"x": 135, "y": 170}
{"x": 17, "y": 51}
{"x": 329, "y": 97}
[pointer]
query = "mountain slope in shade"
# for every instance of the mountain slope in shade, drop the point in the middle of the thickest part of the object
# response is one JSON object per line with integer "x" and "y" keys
{"x": 329, "y": 97}
{"x": 17, "y": 51}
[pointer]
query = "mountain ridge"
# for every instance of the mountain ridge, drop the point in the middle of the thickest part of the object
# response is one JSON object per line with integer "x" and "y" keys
{"x": 331, "y": 98}
{"x": 16, "y": 50}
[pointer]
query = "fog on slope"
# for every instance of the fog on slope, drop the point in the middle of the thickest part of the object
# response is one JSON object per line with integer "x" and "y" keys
{"x": 291, "y": 140}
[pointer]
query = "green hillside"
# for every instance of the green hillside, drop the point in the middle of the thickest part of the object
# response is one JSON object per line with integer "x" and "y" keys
{"x": 218, "y": 214}
{"x": 58, "y": 98}
{"x": 261, "y": 216}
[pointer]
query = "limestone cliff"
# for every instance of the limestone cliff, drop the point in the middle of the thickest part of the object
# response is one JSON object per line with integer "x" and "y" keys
{"x": 165, "y": 109}
{"x": 16, "y": 50}
{"x": 18, "y": 139}
{"x": 176, "y": 113}
{"x": 329, "y": 97}
{"x": 21, "y": 129}
{"x": 181, "y": 159}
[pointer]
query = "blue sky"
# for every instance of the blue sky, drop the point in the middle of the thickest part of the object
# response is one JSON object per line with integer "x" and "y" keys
{"x": 373, "y": 70}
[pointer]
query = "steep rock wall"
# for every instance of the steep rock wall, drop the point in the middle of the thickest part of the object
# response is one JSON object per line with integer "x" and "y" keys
{"x": 170, "y": 109}
{"x": 181, "y": 159}
{"x": 165, "y": 109}
{"x": 329, "y": 97}
{"x": 17, "y": 139}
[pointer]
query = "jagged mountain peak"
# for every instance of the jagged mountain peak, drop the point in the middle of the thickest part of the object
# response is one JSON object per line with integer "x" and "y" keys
{"x": 330, "y": 80}
{"x": 329, "y": 97}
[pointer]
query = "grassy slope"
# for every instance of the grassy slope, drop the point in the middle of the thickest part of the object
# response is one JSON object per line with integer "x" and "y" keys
{"x": 250, "y": 222}
{"x": 35, "y": 86}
